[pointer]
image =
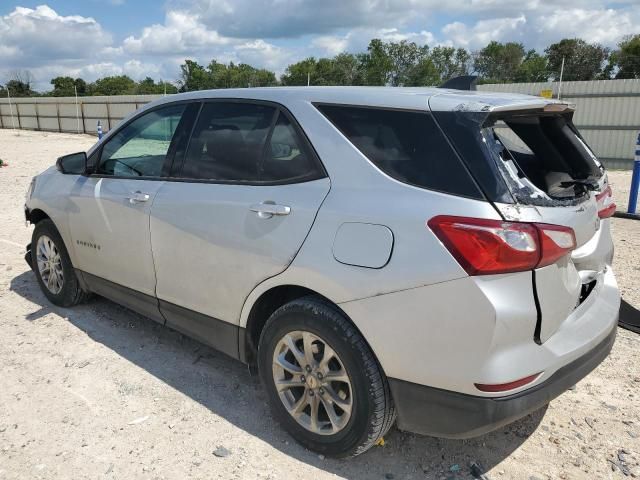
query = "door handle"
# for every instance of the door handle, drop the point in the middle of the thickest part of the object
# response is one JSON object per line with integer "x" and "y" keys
{"x": 268, "y": 209}
{"x": 138, "y": 197}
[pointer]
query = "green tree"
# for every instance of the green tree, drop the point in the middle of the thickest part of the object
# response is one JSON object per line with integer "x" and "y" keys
{"x": 297, "y": 73}
{"x": 499, "y": 62}
{"x": 423, "y": 73}
{"x": 219, "y": 75}
{"x": 626, "y": 59}
{"x": 582, "y": 60}
{"x": 66, "y": 86}
{"x": 20, "y": 84}
{"x": 18, "y": 88}
{"x": 347, "y": 70}
{"x": 376, "y": 64}
{"x": 450, "y": 62}
{"x": 148, "y": 86}
{"x": 395, "y": 63}
{"x": 405, "y": 57}
{"x": 115, "y": 85}
{"x": 193, "y": 76}
{"x": 533, "y": 68}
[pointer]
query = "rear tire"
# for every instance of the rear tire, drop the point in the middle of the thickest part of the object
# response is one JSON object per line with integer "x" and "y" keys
{"x": 351, "y": 413}
{"x": 52, "y": 266}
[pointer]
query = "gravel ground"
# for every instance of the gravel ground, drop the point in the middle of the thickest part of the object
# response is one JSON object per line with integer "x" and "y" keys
{"x": 99, "y": 392}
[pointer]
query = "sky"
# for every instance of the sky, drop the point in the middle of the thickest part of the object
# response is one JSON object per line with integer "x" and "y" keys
{"x": 139, "y": 38}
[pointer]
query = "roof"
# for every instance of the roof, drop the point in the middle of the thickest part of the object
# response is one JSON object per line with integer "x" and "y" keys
{"x": 391, "y": 97}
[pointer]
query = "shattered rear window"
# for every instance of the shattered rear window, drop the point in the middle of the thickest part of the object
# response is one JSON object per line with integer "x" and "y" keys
{"x": 544, "y": 156}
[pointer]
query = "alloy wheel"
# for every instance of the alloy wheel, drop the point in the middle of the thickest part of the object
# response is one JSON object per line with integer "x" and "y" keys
{"x": 49, "y": 264}
{"x": 312, "y": 383}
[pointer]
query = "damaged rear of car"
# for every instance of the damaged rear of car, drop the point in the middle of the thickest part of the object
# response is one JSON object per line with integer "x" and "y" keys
{"x": 553, "y": 197}
{"x": 534, "y": 166}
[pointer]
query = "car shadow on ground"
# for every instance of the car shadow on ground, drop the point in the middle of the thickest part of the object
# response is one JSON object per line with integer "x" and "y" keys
{"x": 226, "y": 388}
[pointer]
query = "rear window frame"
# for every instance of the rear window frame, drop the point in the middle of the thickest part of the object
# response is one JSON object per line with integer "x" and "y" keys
{"x": 479, "y": 194}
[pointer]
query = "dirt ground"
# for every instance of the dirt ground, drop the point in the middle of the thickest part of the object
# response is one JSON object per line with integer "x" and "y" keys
{"x": 97, "y": 391}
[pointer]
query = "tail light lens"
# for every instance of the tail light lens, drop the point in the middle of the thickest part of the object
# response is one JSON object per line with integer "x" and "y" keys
{"x": 606, "y": 207}
{"x": 504, "y": 387}
{"x": 485, "y": 247}
{"x": 555, "y": 242}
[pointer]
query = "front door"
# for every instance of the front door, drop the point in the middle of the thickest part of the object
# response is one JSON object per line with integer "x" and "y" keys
{"x": 237, "y": 214}
{"x": 109, "y": 217}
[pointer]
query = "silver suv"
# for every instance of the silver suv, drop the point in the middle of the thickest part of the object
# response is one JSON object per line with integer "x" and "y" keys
{"x": 431, "y": 257}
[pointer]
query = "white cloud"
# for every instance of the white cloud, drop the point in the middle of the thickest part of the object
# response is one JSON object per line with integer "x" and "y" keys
{"x": 484, "y": 31}
{"x": 181, "y": 33}
{"x": 40, "y": 34}
{"x": 602, "y": 26}
{"x": 273, "y": 33}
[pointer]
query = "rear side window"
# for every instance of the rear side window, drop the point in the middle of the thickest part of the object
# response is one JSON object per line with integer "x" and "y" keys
{"x": 406, "y": 145}
{"x": 247, "y": 142}
{"x": 228, "y": 141}
{"x": 286, "y": 157}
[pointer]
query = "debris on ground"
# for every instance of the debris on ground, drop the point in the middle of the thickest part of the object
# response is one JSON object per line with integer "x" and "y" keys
{"x": 138, "y": 420}
{"x": 221, "y": 452}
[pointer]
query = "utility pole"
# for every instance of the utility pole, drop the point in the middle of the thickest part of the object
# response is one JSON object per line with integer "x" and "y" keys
{"x": 561, "y": 73}
{"x": 75, "y": 89}
{"x": 13, "y": 122}
{"x": 308, "y": 78}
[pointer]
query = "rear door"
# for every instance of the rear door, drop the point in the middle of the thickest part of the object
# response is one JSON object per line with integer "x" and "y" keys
{"x": 541, "y": 170}
{"x": 236, "y": 213}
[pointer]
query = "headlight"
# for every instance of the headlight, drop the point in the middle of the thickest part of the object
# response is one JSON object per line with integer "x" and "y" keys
{"x": 32, "y": 186}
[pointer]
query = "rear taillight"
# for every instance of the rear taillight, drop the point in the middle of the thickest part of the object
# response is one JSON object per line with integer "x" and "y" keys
{"x": 485, "y": 247}
{"x": 555, "y": 242}
{"x": 606, "y": 207}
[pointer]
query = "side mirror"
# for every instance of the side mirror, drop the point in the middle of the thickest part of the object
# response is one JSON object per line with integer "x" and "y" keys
{"x": 72, "y": 164}
{"x": 280, "y": 150}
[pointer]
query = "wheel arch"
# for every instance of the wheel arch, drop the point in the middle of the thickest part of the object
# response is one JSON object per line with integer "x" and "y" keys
{"x": 36, "y": 215}
{"x": 262, "y": 303}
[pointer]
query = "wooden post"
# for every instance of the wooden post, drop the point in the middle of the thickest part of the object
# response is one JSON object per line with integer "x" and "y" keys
{"x": 58, "y": 115}
{"x": 37, "y": 115}
{"x": 18, "y": 113}
{"x": 84, "y": 127}
{"x": 108, "y": 115}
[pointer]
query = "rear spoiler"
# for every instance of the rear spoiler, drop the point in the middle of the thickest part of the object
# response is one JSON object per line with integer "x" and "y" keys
{"x": 463, "y": 82}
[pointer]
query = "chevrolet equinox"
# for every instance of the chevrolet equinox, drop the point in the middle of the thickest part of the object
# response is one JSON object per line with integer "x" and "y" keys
{"x": 435, "y": 258}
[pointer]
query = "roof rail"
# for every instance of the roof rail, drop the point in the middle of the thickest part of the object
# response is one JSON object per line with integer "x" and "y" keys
{"x": 463, "y": 82}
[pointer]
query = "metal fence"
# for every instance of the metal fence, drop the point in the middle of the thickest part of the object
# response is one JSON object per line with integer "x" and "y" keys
{"x": 608, "y": 113}
{"x": 64, "y": 114}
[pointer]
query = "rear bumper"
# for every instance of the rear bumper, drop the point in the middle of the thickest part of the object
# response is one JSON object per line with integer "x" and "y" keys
{"x": 443, "y": 413}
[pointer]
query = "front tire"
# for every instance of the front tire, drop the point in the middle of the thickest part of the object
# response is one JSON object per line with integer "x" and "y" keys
{"x": 324, "y": 384}
{"x": 52, "y": 266}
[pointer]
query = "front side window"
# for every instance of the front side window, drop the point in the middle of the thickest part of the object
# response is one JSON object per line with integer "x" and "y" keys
{"x": 406, "y": 145}
{"x": 140, "y": 148}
